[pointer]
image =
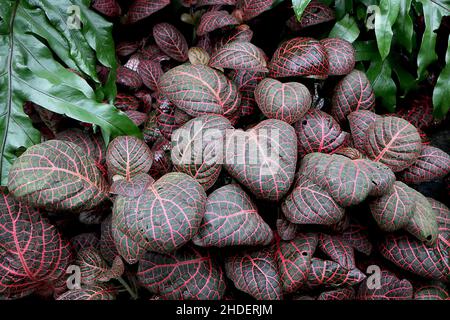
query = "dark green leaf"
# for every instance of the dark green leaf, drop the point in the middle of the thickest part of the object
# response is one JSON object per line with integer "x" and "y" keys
{"x": 346, "y": 29}
{"x": 403, "y": 27}
{"x": 366, "y": 50}
{"x": 385, "y": 17}
{"x": 441, "y": 93}
{"x": 380, "y": 76}
{"x": 299, "y": 6}
{"x": 343, "y": 7}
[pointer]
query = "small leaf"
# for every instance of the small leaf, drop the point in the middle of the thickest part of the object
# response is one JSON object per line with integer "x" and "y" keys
{"x": 337, "y": 249}
{"x": 109, "y": 8}
{"x": 239, "y": 56}
{"x": 326, "y": 273}
{"x": 391, "y": 288}
{"x": 128, "y": 78}
{"x": 133, "y": 187}
{"x": 198, "y": 55}
{"x": 141, "y": 9}
{"x": 346, "y": 29}
{"x": 253, "y": 8}
{"x": 213, "y": 20}
{"x": 315, "y": 13}
{"x": 171, "y": 41}
{"x": 341, "y": 56}
{"x": 94, "y": 269}
{"x": 150, "y": 73}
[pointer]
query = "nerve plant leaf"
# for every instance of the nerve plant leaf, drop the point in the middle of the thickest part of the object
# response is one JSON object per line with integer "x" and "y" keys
{"x": 338, "y": 294}
{"x": 394, "y": 142}
{"x": 338, "y": 249}
{"x": 150, "y": 73}
{"x": 201, "y": 3}
{"x": 132, "y": 187}
{"x": 231, "y": 219}
{"x": 391, "y": 288}
{"x": 326, "y": 273}
{"x": 141, "y": 9}
{"x": 381, "y": 177}
{"x": 97, "y": 292}
{"x": 314, "y": 13}
{"x": 352, "y": 93}
{"x": 92, "y": 145}
{"x": 239, "y": 55}
{"x": 341, "y": 56}
{"x": 171, "y": 41}
{"x": 186, "y": 274}
{"x": 108, "y": 248}
{"x": 213, "y": 20}
{"x": 432, "y": 292}
{"x": 198, "y": 89}
{"x": 300, "y": 57}
{"x": 283, "y": 101}
{"x": 33, "y": 253}
{"x": 128, "y": 78}
{"x": 95, "y": 270}
{"x": 357, "y": 236}
{"x": 255, "y": 273}
{"x": 162, "y": 219}
{"x": 109, "y": 8}
{"x": 57, "y": 175}
{"x": 359, "y": 122}
{"x": 252, "y": 8}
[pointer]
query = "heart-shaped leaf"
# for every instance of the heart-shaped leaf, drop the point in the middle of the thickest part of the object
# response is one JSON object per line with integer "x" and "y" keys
{"x": 109, "y": 8}
{"x": 352, "y": 93}
{"x": 341, "y": 56}
{"x": 33, "y": 253}
{"x": 381, "y": 177}
{"x": 393, "y": 210}
{"x": 150, "y": 72}
{"x": 293, "y": 259}
{"x": 197, "y": 148}
{"x": 394, "y": 142}
{"x": 133, "y": 187}
{"x": 356, "y": 235}
{"x": 141, "y": 9}
{"x": 391, "y": 288}
{"x": 317, "y": 131}
{"x": 432, "y": 292}
{"x": 315, "y": 12}
{"x": 359, "y": 122}
{"x": 97, "y": 292}
{"x": 171, "y": 41}
{"x": 128, "y": 156}
{"x": 423, "y": 223}
{"x": 300, "y": 57}
{"x": 108, "y": 248}
{"x": 92, "y": 145}
{"x": 252, "y": 8}
{"x": 198, "y": 89}
{"x": 57, "y": 175}
{"x": 326, "y": 273}
{"x": 255, "y": 273}
{"x": 239, "y": 56}
{"x": 128, "y": 78}
{"x": 264, "y": 158}
{"x": 162, "y": 219}
{"x": 213, "y": 20}
{"x": 283, "y": 101}
{"x": 416, "y": 257}
{"x": 231, "y": 219}
{"x": 338, "y": 294}
{"x": 432, "y": 163}
{"x": 308, "y": 203}
{"x": 338, "y": 250}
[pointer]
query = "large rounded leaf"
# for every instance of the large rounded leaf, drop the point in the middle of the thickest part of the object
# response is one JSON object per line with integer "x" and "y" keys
{"x": 352, "y": 93}
{"x": 359, "y": 122}
{"x": 185, "y": 274}
{"x": 197, "y": 148}
{"x": 162, "y": 219}
{"x": 391, "y": 288}
{"x": 338, "y": 249}
{"x": 33, "y": 253}
{"x": 432, "y": 163}
{"x": 239, "y": 56}
{"x": 308, "y": 203}
{"x": 231, "y": 218}
{"x": 300, "y": 57}
{"x": 213, "y": 20}
{"x": 255, "y": 273}
{"x": 198, "y": 89}
{"x": 171, "y": 41}
{"x": 128, "y": 156}
{"x": 264, "y": 158}
{"x": 293, "y": 259}
{"x": 317, "y": 131}
{"x": 326, "y": 273}
{"x": 93, "y": 145}
{"x": 341, "y": 56}
{"x": 283, "y": 101}
{"x": 394, "y": 142}
{"x": 57, "y": 175}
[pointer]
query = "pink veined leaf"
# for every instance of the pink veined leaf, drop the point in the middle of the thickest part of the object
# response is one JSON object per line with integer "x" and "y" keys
{"x": 214, "y": 20}
{"x": 84, "y": 240}
{"x": 133, "y": 187}
{"x": 253, "y": 8}
{"x": 138, "y": 118}
{"x": 145, "y": 97}
{"x": 353, "y": 93}
{"x": 433, "y": 291}
{"x": 269, "y": 174}
{"x": 359, "y": 122}
{"x": 416, "y": 257}
{"x": 198, "y": 89}
{"x": 349, "y": 152}
{"x": 109, "y": 8}
{"x": 313, "y": 166}
{"x": 94, "y": 269}
{"x": 308, "y": 203}
{"x": 169, "y": 118}
{"x": 293, "y": 259}
{"x": 288, "y": 102}
{"x": 393, "y": 210}
{"x": 126, "y": 102}
{"x": 239, "y": 56}
{"x": 255, "y": 273}
{"x": 242, "y": 33}
{"x": 205, "y": 43}
{"x": 186, "y": 274}
{"x": 392, "y": 288}
{"x": 150, "y": 72}
{"x": 442, "y": 217}
{"x": 317, "y": 131}
{"x": 92, "y": 144}
{"x": 357, "y": 236}
{"x": 126, "y": 48}
{"x": 171, "y": 41}
{"x": 151, "y": 129}
{"x": 231, "y": 219}
{"x": 432, "y": 163}
{"x": 34, "y": 255}
{"x": 59, "y": 176}
{"x": 141, "y": 9}
{"x": 246, "y": 82}
{"x": 201, "y": 3}
{"x": 286, "y": 229}
{"x": 338, "y": 294}
{"x": 314, "y": 13}
{"x": 393, "y": 142}
{"x": 164, "y": 218}
{"x": 338, "y": 249}
{"x": 326, "y": 273}
{"x": 152, "y": 52}
{"x": 128, "y": 156}
{"x": 128, "y": 78}
{"x": 300, "y": 57}
{"x": 104, "y": 292}
{"x": 133, "y": 64}
{"x": 162, "y": 161}
{"x": 341, "y": 56}
{"x": 381, "y": 177}
{"x": 419, "y": 111}
{"x": 107, "y": 248}
{"x": 202, "y": 162}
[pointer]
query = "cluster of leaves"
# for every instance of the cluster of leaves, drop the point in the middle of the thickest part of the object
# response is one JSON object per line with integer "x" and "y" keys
{"x": 337, "y": 192}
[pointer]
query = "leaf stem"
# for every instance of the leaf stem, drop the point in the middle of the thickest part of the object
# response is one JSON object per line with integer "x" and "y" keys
{"x": 133, "y": 294}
